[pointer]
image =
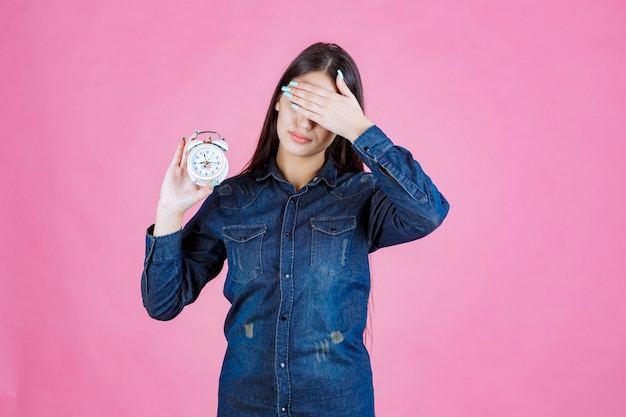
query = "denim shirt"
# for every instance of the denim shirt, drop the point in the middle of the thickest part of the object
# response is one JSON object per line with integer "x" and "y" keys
{"x": 298, "y": 277}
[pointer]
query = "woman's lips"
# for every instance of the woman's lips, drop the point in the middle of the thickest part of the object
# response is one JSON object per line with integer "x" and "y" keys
{"x": 299, "y": 139}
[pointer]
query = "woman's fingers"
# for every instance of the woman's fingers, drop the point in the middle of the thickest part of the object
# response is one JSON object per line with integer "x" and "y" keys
{"x": 342, "y": 86}
{"x": 338, "y": 112}
{"x": 318, "y": 100}
{"x": 332, "y": 106}
{"x": 178, "y": 155}
{"x": 311, "y": 101}
{"x": 307, "y": 94}
{"x": 185, "y": 153}
{"x": 182, "y": 152}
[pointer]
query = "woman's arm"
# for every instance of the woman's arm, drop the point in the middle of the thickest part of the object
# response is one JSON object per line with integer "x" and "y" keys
{"x": 177, "y": 266}
{"x": 178, "y": 263}
{"x": 406, "y": 204}
{"x": 178, "y": 193}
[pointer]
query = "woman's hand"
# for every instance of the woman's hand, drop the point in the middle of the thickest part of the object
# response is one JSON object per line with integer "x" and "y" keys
{"x": 339, "y": 113}
{"x": 178, "y": 193}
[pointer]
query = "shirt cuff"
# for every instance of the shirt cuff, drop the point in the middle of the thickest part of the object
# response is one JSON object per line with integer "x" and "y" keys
{"x": 162, "y": 248}
{"x": 372, "y": 145}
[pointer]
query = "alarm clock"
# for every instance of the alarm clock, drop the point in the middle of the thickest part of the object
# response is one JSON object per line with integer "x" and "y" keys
{"x": 206, "y": 162}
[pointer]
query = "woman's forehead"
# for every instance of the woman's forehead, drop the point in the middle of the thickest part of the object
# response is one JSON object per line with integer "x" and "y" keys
{"x": 319, "y": 78}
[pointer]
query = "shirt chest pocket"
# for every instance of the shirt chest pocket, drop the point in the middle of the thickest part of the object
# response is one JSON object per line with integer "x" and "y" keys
{"x": 330, "y": 243}
{"x": 244, "y": 247}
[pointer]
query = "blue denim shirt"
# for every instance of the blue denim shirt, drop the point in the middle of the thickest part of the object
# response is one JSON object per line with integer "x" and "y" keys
{"x": 298, "y": 277}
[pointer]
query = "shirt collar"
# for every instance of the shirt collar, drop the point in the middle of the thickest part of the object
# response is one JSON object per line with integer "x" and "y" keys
{"x": 328, "y": 173}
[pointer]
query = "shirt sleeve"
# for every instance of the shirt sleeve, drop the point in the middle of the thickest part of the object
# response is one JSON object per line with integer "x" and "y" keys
{"x": 406, "y": 204}
{"x": 177, "y": 266}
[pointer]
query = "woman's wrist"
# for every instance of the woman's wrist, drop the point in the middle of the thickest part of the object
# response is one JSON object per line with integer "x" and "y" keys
{"x": 358, "y": 129}
{"x": 167, "y": 221}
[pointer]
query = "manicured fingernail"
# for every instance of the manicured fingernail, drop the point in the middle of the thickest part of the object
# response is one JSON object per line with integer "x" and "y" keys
{"x": 293, "y": 83}
{"x": 197, "y": 131}
{"x": 294, "y": 106}
{"x": 285, "y": 88}
{"x": 288, "y": 94}
{"x": 214, "y": 184}
{"x": 340, "y": 73}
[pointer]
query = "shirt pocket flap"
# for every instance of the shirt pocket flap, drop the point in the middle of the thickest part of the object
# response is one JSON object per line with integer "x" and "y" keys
{"x": 243, "y": 233}
{"x": 333, "y": 225}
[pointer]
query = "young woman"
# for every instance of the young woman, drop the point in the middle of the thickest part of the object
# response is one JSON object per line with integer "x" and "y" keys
{"x": 296, "y": 228}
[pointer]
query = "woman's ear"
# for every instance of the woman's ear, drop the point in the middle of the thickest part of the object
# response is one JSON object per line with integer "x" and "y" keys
{"x": 276, "y": 107}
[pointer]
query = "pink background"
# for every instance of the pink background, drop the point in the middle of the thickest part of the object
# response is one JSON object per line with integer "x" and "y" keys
{"x": 515, "y": 307}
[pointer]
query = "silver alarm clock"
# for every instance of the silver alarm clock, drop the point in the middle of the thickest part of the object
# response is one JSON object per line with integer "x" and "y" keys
{"x": 206, "y": 162}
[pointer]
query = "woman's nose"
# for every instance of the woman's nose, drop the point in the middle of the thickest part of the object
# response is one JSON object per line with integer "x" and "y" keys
{"x": 304, "y": 123}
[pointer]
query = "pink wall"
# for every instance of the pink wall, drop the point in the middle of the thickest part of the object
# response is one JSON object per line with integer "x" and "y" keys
{"x": 516, "y": 109}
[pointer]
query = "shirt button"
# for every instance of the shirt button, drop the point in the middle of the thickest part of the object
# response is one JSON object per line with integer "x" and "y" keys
{"x": 282, "y": 364}
{"x": 283, "y": 409}
{"x": 366, "y": 149}
{"x": 286, "y": 275}
{"x": 283, "y": 318}
{"x": 287, "y": 234}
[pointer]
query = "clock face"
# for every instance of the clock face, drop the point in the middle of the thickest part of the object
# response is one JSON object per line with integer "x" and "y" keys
{"x": 206, "y": 161}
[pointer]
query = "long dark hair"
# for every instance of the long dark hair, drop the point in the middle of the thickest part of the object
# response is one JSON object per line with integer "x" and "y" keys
{"x": 326, "y": 57}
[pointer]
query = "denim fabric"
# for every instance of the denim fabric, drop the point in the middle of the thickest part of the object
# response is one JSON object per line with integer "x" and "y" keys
{"x": 298, "y": 277}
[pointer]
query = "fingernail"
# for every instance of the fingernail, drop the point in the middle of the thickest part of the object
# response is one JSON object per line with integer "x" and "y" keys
{"x": 285, "y": 88}
{"x": 294, "y": 106}
{"x": 293, "y": 83}
{"x": 340, "y": 73}
{"x": 214, "y": 184}
{"x": 288, "y": 94}
{"x": 183, "y": 138}
{"x": 197, "y": 131}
